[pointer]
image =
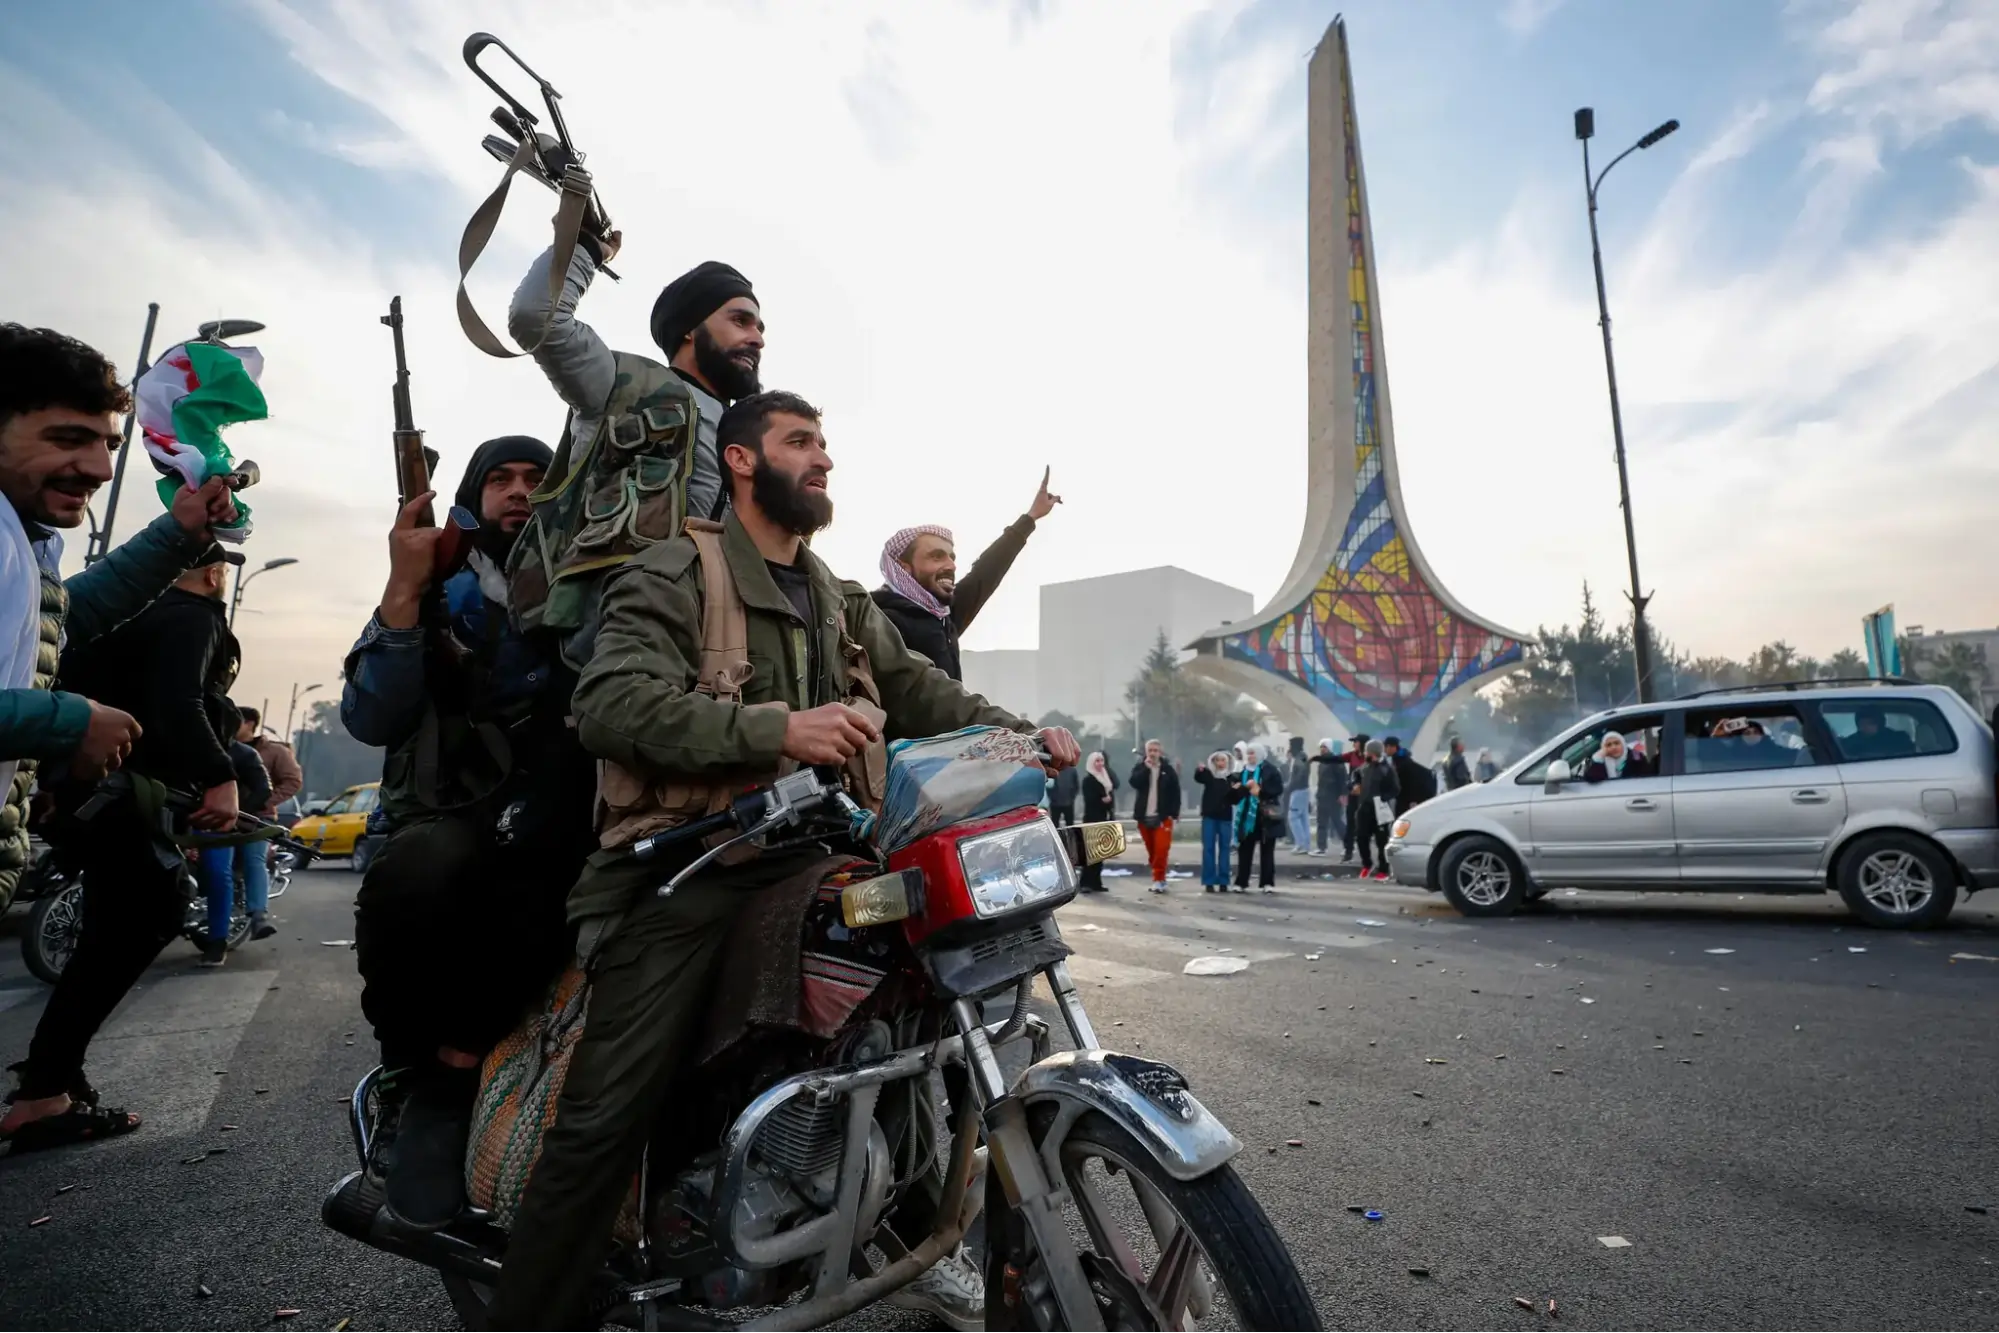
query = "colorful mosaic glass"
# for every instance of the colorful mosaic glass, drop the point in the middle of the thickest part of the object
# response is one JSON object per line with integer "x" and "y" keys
{"x": 1374, "y": 641}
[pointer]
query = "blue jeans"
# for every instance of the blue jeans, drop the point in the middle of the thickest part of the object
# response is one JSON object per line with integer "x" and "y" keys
{"x": 218, "y": 882}
{"x": 1215, "y": 837}
{"x": 1298, "y": 808}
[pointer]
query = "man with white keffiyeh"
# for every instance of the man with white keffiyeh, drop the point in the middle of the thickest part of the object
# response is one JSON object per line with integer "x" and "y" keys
{"x": 923, "y": 595}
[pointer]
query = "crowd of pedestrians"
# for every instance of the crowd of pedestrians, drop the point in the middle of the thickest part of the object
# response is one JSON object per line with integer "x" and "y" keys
{"x": 1251, "y": 800}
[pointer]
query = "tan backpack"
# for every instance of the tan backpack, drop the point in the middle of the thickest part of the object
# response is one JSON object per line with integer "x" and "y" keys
{"x": 629, "y": 807}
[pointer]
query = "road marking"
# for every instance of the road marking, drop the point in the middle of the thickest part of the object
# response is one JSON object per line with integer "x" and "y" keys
{"x": 158, "y": 1054}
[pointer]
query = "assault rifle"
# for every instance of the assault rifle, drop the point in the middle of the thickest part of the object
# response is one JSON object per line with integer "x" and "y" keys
{"x": 414, "y": 464}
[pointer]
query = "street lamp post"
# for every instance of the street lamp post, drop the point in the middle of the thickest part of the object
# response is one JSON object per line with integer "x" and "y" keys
{"x": 297, "y": 694}
{"x": 1641, "y": 639}
{"x": 236, "y": 599}
{"x": 215, "y": 330}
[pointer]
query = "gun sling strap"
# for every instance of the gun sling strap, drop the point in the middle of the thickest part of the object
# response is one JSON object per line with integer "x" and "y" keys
{"x": 574, "y": 190}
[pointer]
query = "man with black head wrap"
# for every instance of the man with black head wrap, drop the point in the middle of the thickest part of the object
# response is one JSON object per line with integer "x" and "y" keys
{"x": 458, "y": 924}
{"x": 707, "y": 322}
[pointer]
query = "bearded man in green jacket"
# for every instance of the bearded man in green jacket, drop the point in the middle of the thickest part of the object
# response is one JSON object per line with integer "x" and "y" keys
{"x": 652, "y": 960}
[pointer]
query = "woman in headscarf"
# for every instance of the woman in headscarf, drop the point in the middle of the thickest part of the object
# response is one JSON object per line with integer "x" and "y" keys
{"x": 1099, "y": 804}
{"x": 1487, "y": 769}
{"x": 1615, "y": 758}
{"x": 1378, "y": 784}
{"x": 1258, "y": 813}
{"x": 1219, "y": 792}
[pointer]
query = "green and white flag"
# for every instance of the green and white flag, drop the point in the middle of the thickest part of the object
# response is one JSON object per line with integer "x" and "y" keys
{"x": 184, "y": 400}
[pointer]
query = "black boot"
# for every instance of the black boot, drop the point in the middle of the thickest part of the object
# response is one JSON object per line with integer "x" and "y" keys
{"x": 425, "y": 1161}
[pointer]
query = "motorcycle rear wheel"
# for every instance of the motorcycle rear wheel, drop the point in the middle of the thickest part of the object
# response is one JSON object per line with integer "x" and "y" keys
{"x": 53, "y": 929}
{"x": 1218, "y": 1243}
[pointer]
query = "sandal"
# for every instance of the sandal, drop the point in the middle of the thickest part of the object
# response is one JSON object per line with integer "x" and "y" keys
{"x": 79, "y": 1124}
{"x": 79, "y": 1091}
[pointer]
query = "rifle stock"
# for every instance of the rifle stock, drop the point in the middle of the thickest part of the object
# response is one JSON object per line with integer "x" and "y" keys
{"x": 414, "y": 463}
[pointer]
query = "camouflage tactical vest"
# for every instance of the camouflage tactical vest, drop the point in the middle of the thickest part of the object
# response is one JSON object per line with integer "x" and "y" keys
{"x": 605, "y": 499}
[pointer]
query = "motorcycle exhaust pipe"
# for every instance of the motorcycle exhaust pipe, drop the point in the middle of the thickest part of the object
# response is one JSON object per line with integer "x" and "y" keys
{"x": 354, "y": 1209}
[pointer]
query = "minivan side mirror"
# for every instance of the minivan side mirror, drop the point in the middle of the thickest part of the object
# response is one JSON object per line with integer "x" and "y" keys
{"x": 1558, "y": 773}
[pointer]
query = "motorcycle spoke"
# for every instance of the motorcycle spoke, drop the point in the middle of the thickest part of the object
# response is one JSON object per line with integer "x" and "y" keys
{"x": 1179, "y": 1259}
{"x": 1104, "y": 1231}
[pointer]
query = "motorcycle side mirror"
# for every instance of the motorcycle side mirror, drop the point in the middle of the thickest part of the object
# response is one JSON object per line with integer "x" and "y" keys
{"x": 1558, "y": 773}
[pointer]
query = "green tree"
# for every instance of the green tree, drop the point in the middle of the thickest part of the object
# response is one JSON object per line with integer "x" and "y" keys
{"x": 1845, "y": 664}
{"x": 1957, "y": 664}
{"x": 1191, "y": 715}
{"x": 1086, "y": 737}
{"x": 1779, "y": 661}
{"x": 332, "y": 759}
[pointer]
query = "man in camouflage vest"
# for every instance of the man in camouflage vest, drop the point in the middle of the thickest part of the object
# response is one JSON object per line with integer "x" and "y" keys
{"x": 60, "y": 404}
{"x": 653, "y": 960}
{"x": 706, "y": 321}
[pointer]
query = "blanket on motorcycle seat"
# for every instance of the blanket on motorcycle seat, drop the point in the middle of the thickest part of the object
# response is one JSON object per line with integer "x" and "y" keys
{"x": 790, "y": 963}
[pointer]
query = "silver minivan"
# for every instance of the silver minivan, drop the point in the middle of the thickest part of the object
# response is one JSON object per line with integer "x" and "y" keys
{"x": 1883, "y": 792}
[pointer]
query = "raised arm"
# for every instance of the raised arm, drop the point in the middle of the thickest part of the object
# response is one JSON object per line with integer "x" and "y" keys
{"x": 577, "y": 362}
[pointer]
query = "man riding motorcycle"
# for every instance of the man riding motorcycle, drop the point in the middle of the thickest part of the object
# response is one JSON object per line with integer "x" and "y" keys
{"x": 458, "y": 922}
{"x": 830, "y": 678}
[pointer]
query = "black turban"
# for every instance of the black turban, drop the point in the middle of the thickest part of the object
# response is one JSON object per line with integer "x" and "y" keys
{"x": 498, "y": 453}
{"x": 691, "y": 298}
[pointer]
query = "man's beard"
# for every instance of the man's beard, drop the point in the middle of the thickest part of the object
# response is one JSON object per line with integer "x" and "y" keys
{"x": 942, "y": 594}
{"x": 785, "y": 501}
{"x": 495, "y": 541}
{"x": 732, "y": 381}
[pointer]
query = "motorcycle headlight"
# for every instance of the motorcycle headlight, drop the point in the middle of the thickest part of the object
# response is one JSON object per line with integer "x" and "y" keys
{"x": 1014, "y": 867}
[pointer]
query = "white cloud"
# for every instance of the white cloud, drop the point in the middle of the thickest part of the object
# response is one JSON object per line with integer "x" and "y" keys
{"x": 1523, "y": 17}
{"x": 982, "y": 243}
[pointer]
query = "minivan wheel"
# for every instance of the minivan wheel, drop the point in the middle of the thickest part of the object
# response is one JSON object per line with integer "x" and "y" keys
{"x": 1897, "y": 882}
{"x": 1481, "y": 878}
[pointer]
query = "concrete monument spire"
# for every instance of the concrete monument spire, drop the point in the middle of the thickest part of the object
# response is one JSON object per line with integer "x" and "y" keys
{"x": 1362, "y": 636}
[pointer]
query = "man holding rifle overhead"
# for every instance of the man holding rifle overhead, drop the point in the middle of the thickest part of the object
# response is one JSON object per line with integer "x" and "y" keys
{"x": 458, "y": 924}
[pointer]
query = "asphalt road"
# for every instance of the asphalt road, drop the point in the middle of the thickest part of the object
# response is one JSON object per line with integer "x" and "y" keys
{"x": 1788, "y": 1135}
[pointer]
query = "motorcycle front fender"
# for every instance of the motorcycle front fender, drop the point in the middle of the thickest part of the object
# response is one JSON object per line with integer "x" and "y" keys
{"x": 1148, "y": 1099}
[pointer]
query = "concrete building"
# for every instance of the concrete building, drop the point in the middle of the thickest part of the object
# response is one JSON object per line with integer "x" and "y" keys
{"x": 1361, "y": 636}
{"x": 1006, "y": 676}
{"x": 1096, "y": 632}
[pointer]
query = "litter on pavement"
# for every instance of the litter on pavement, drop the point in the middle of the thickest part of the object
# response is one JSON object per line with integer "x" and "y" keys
{"x": 337, "y": 944}
{"x": 1586, "y": 999}
{"x": 1721, "y": 951}
{"x": 1974, "y": 957}
{"x": 1855, "y": 948}
{"x": 1368, "y": 921}
{"x": 1313, "y": 957}
{"x": 1613, "y": 1242}
{"x": 1213, "y": 966}
{"x": 1118, "y": 872}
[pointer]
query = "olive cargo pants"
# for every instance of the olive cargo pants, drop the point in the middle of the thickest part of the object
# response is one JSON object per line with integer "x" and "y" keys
{"x": 651, "y": 978}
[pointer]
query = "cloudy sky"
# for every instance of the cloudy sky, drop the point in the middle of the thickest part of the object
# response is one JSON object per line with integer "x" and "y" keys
{"x": 993, "y": 234}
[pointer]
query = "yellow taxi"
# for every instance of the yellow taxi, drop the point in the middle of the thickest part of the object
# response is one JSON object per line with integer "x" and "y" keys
{"x": 341, "y": 822}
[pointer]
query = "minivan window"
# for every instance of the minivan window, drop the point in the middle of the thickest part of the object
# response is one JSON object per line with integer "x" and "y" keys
{"x": 1738, "y": 739}
{"x": 1865, "y": 730}
{"x": 1642, "y": 735}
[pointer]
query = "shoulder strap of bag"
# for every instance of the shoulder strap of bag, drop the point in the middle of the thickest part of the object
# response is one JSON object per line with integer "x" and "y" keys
{"x": 575, "y": 198}
{"x": 725, "y": 622}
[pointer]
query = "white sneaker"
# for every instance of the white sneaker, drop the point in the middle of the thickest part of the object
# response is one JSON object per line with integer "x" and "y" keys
{"x": 1159, "y": 886}
{"x": 954, "y": 1291}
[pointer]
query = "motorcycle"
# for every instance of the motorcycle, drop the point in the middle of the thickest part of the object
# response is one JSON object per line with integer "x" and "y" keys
{"x": 1109, "y": 1197}
{"x": 55, "y": 924}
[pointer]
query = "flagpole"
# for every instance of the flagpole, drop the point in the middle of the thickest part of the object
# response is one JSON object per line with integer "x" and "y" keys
{"x": 100, "y": 540}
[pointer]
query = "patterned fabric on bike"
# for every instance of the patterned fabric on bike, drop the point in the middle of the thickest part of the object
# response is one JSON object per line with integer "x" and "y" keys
{"x": 968, "y": 774}
{"x": 518, "y": 1088}
{"x": 791, "y": 963}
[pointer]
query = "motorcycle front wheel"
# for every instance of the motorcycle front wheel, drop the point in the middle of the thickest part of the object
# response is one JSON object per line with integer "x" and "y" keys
{"x": 1159, "y": 1253}
{"x": 54, "y": 926}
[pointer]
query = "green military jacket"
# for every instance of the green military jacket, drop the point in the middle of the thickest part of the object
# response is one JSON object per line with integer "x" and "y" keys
{"x": 636, "y": 705}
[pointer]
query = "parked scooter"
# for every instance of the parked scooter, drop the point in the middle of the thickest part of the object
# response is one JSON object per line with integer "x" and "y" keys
{"x": 1106, "y": 1184}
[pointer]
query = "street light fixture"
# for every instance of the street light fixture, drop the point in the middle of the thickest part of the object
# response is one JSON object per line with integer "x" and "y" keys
{"x": 1641, "y": 639}
{"x": 214, "y": 331}
{"x": 236, "y": 599}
